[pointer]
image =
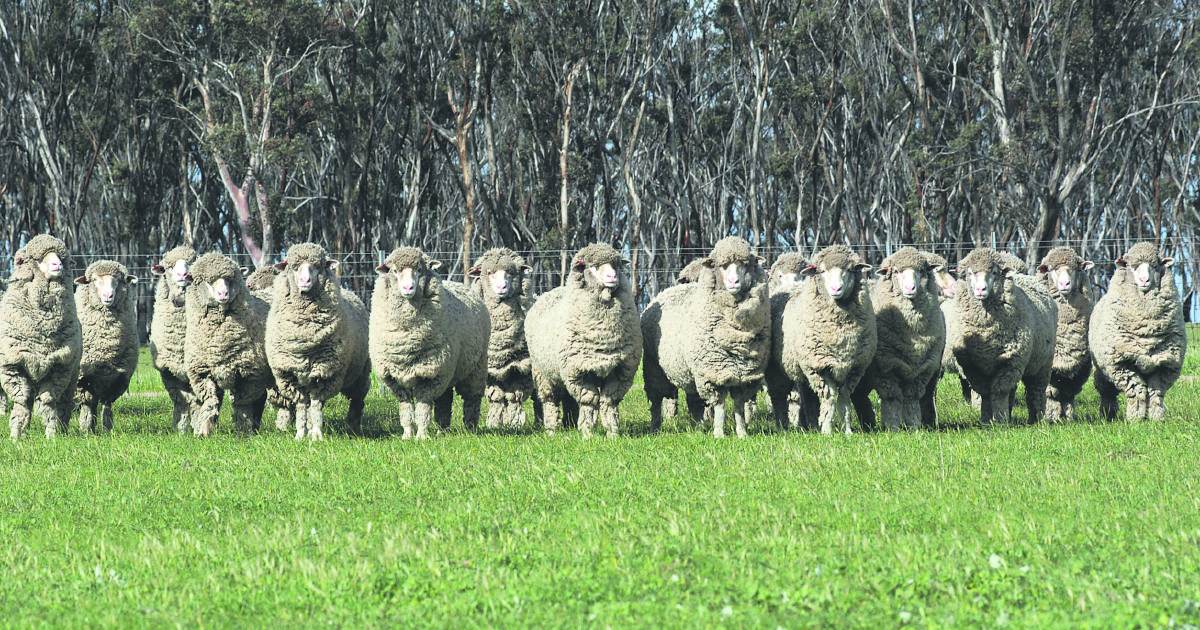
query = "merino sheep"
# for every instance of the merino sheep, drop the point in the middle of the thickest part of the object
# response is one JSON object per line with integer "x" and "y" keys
{"x": 711, "y": 338}
{"x": 316, "y": 340}
{"x": 1137, "y": 336}
{"x": 585, "y": 341}
{"x": 1065, "y": 275}
{"x": 429, "y": 337}
{"x": 168, "y": 330}
{"x": 263, "y": 279}
{"x": 1003, "y": 334}
{"x": 224, "y": 349}
{"x": 800, "y": 411}
{"x": 104, "y": 301}
{"x": 41, "y": 340}
{"x": 826, "y": 335}
{"x": 947, "y": 286}
{"x": 503, "y": 286}
{"x": 912, "y": 334}
{"x": 691, "y": 272}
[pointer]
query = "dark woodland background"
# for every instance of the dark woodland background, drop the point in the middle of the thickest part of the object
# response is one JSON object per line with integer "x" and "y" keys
{"x": 130, "y": 126}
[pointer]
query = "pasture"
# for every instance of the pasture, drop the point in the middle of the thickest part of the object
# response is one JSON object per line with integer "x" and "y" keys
{"x": 1087, "y": 524}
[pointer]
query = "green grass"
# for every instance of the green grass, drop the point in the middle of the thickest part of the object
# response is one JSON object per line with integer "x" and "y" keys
{"x": 1082, "y": 525}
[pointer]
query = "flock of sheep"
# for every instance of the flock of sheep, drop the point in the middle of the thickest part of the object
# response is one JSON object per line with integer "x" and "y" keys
{"x": 819, "y": 336}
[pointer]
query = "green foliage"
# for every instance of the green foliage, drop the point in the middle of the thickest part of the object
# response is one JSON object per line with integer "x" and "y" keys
{"x": 1071, "y": 525}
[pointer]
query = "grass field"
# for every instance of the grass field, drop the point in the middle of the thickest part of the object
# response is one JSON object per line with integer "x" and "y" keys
{"x": 1082, "y": 525}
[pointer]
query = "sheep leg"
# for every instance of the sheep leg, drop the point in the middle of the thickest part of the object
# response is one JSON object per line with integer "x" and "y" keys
{"x": 470, "y": 405}
{"x": 106, "y": 416}
{"x": 495, "y": 414}
{"x": 1035, "y": 398}
{"x": 354, "y": 414}
{"x": 587, "y": 419}
{"x": 828, "y": 394}
{"x": 1108, "y": 395}
{"x": 670, "y": 407}
{"x": 549, "y": 409}
{"x": 741, "y": 403}
{"x": 442, "y": 406}
{"x": 316, "y": 420}
{"x": 423, "y": 416}
{"x": 861, "y": 400}
{"x": 1155, "y": 409}
{"x": 87, "y": 414}
{"x": 843, "y": 406}
{"x": 300, "y": 410}
{"x": 19, "y": 391}
{"x": 701, "y": 413}
{"x": 180, "y": 401}
{"x": 892, "y": 411}
{"x": 406, "y": 419}
{"x": 210, "y": 397}
{"x": 45, "y": 407}
{"x": 718, "y": 409}
{"x": 929, "y": 415}
{"x": 283, "y": 418}
{"x": 610, "y": 417}
{"x": 911, "y": 413}
{"x": 656, "y": 413}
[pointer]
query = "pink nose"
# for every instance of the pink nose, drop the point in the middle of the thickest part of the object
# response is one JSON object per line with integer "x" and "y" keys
{"x": 106, "y": 295}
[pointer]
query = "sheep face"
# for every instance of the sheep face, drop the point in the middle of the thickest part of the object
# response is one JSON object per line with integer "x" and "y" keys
{"x": 984, "y": 283}
{"x": 409, "y": 272}
{"x": 178, "y": 273}
{"x": 945, "y": 281}
{"x": 735, "y": 276}
{"x": 219, "y": 280}
{"x": 1065, "y": 277}
{"x": 308, "y": 275}
{"x": 905, "y": 282}
{"x": 1146, "y": 274}
{"x": 51, "y": 265}
{"x": 605, "y": 274}
{"x": 839, "y": 280}
{"x": 505, "y": 283}
{"x": 107, "y": 285}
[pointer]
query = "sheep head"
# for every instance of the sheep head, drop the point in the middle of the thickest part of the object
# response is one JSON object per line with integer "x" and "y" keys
{"x": 174, "y": 267}
{"x": 985, "y": 272}
{"x": 263, "y": 278}
{"x": 601, "y": 268}
{"x": 504, "y": 272}
{"x": 1063, "y": 270}
{"x": 732, "y": 267}
{"x": 43, "y": 255}
{"x": 220, "y": 280}
{"x": 909, "y": 273}
{"x": 1145, "y": 266}
{"x": 413, "y": 273}
{"x": 308, "y": 270}
{"x": 840, "y": 271}
{"x": 690, "y": 272}
{"x": 946, "y": 283}
{"x": 788, "y": 270}
{"x": 108, "y": 280}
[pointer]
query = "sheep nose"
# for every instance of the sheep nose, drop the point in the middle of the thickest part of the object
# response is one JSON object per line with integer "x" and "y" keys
{"x": 1064, "y": 285}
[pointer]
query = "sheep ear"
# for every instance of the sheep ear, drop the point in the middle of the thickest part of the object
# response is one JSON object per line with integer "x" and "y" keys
{"x": 245, "y": 271}
{"x": 863, "y": 267}
{"x": 1042, "y": 268}
{"x": 382, "y": 269}
{"x": 1120, "y": 262}
{"x": 1087, "y": 264}
{"x": 81, "y": 280}
{"x": 332, "y": 264}
{"x": 1008, "y": 272}
{"x": 708, "y": 262}
{"x": 475, "y": 272}
{"x": 158, "y": 270}
{"x": 882, "y": 272}
{"x": 526, "y": 269}
{"x": 131, "y": 279}
{"x": 811, "y": 270}
{"x": 435, "y": 265}
{"x": 625, "y": 262}
{"x": 279, "y": 266}
{"x": 1168, "y": 261}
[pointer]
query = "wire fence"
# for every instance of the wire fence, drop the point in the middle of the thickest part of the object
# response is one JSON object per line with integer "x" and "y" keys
{"x": 655, "y": 270}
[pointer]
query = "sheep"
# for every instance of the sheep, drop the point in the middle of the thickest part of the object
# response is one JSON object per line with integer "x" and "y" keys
{"x": 168, "y": 329}
{"x": 825, "y": 335}
{"x": 41, "y": 339}
{"x": 224, "y": 349}
{"x": 1065, "y": 275}
{"x": 690, "y": 272}
{"x": 585, "y": 341}
{"x": 947, "y": 286}
{"x": 104, "y": 302}
{"x": 911, "y": 336}
{"x": 316, "y": 340}
{"x": 799, "y": 400}
{"x": 429, "y": 337}
{"x": 263, "y": 279}
{"x": 1003, "y": 334}
{"x": 1136, "y": 335}
{"x": 711, "y": 338}
{"x": 502, "y": 283}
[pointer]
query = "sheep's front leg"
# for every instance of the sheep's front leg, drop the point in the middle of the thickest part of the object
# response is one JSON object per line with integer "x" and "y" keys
{"x": 316, "y": 420}
{"x": 828, "y": 393}
{"x": 300, "y": 410}
{"x": 406, "y": 412}
{"x": 587, "y": 419}
{"x": 610, "y": 416}
{"x": 422, "y": 417}
{"x": 210, "y": 397}
{"x": 741, "y": 412}
{"x": 87, "y": 414}
{"x": 718, "y": 411}
{"x": 21, "y": 393}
